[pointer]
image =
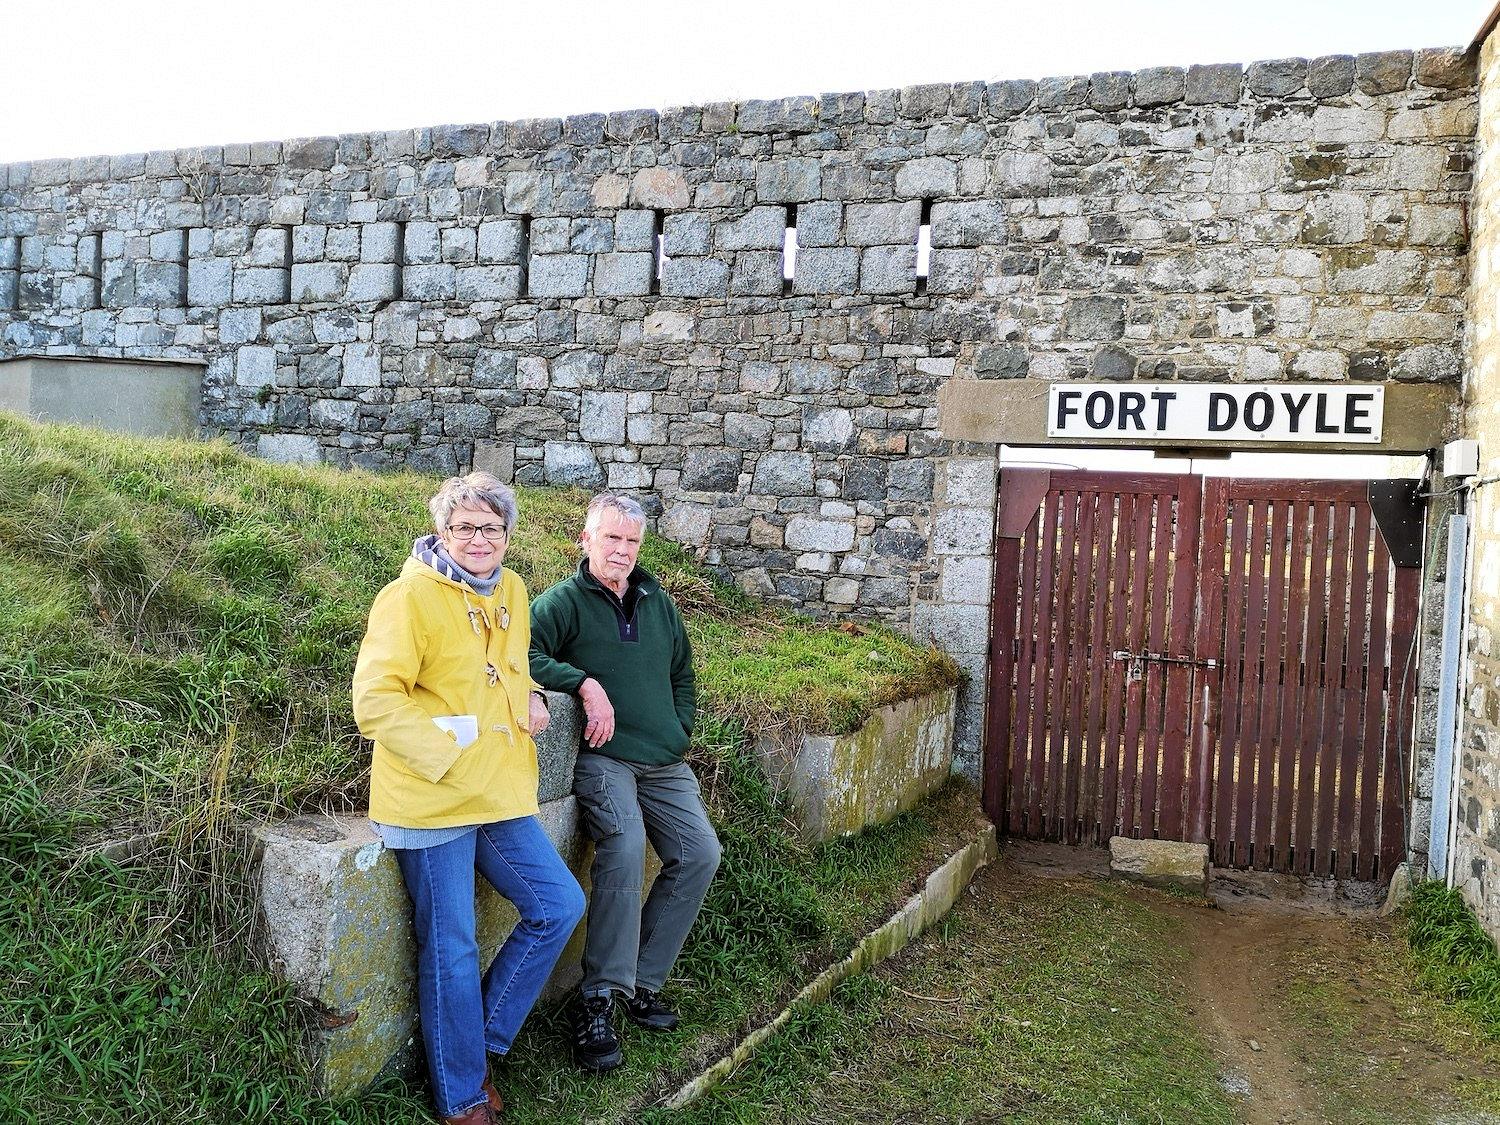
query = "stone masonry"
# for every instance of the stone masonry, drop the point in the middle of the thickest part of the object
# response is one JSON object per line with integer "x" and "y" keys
{"x": 1476, "y": 851}
{"x": 604, "y": 301}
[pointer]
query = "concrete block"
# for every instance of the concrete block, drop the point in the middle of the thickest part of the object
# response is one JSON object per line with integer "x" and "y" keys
{"x": 254, "y": 285}
{"x": 826, "y": 270}
{"x": 373, "y": 281}
{"x": 888, "y": 269}
{"x": 489, "y": 283}
{"x": 623, "y": 275}
{"x": 150, "y": 399}
{"x": 840, "y": 784}
{"x": 758, "y": 273}
{"x": 1171, "y": 865}
{"x": 558, "y": 275}
{"x": 319, "y": 282}
{"x": 793, "y": 180}
{"x": 882, "y": 224}
{"x": 338, "y": 920}
{"x": 210, "y": 282}
{"x": 289, "y": 449}
{"x": 429, "y": 283}
{"x": 760, "y": 228}
{"x": 695, "y": 277}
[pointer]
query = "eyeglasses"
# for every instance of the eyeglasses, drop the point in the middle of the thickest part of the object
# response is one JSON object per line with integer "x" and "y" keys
{"x": 467, "y": 531}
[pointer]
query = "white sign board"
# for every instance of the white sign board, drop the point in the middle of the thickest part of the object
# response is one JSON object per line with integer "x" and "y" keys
{"x": 1208, "y": 412}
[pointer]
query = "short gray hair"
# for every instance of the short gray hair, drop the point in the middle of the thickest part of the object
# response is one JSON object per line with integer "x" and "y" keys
{"x": 627, "y": 508}
{"x": 477, "y": 490}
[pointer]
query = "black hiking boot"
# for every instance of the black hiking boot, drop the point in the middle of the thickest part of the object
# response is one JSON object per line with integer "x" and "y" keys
{"x": 646, "y": 1009}
{"x": 596, "y": 1047}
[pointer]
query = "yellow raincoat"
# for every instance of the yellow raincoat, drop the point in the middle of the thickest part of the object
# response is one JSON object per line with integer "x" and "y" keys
{"x": 434, "y": 648}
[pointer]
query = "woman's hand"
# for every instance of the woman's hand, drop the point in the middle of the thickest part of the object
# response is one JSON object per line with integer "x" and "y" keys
{"x": 599, "y": 713}
{"x": 537, "y": 716}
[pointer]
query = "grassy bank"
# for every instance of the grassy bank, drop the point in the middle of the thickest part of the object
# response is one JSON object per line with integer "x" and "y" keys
{"x": 178, "y": 626}
{"x": 1036, "y": 1000}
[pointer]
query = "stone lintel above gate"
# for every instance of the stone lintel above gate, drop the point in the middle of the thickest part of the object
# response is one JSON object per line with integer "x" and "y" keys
{"x": 1417, "y": 417}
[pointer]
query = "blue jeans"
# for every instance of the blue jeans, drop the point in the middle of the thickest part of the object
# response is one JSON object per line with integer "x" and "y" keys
{"x": 462, "y": 1015}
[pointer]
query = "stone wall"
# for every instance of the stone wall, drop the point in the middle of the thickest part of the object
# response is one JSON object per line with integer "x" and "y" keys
{"x": 488, "y": 294}
{"x": 1476, "y": 853}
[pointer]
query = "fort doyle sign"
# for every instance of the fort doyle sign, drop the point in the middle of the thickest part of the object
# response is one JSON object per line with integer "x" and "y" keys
{"x": 1232, "y": 412}
{"x": 1385, "y": 417}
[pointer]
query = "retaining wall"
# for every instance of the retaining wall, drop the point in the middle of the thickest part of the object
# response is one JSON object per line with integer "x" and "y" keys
{"x": 490, "y": 294}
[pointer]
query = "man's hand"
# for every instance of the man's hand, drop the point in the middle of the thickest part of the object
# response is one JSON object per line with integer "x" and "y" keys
{"x": 537, "y": 715}
{"x": 599, "y": 714}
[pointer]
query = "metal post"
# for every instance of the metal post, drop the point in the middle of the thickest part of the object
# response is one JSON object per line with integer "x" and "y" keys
{"x": 1443, "y": 772}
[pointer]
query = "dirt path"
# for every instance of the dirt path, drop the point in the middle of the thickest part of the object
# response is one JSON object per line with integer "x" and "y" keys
{"x": 1054, "y": 993}
{"x": 1233, "y": 972}
{"x": 1301, "y": 991}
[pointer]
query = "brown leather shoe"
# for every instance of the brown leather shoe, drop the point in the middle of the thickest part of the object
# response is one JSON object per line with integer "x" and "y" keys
{"x": 481, "y": 1114}
{"x": 497, "y": 1103}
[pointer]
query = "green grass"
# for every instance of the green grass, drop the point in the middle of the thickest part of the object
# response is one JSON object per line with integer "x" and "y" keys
{"x": 178, "y": 625}
{"x": 1057, "y": 1001}
{"x": 1453, "y": 956}
{"x": 1394, "y": 1020}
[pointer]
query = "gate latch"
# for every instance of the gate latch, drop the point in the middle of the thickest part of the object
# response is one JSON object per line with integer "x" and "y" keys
{"x": 1138, "y": 660}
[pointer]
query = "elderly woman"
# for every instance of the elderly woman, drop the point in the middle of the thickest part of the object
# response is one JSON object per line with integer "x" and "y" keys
{"x": 443, "y": 688}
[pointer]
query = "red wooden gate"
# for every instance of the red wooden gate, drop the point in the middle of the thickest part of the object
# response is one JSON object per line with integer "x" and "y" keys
{"x": 1226, "y": 661}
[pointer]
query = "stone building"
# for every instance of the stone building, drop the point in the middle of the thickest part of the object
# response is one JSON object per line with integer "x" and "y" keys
{"x": 773, "y": 319}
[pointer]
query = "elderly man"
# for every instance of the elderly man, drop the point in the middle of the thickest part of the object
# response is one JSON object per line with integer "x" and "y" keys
{"x": 612, "y": 636}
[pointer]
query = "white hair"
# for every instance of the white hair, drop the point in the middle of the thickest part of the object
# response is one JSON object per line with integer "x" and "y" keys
{"x": 477, "y": 490}
{"x": 627, "y": 509}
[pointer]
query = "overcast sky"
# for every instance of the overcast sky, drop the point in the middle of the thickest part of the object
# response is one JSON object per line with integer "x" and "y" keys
{"x": 81, "y": 77}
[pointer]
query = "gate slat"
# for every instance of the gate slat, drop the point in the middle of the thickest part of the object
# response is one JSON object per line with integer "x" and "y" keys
{"x": 1189, "y": 536}
{"x": 1119, "y": 639}
{"x": 1247, "y": 732}
{"x": 1106, "y": 534}
{"x": 1003, "y": 610}
{"x": 1331, "y": 687}
{"x": 1350, "y": 678}
{"x": 1062, "y": 620}
{"x": 1375, "y": 689}
{"x": 1289, "y": 680}
{"x": 1147, "y": 505}
{"x": 1045, "y": 616}
{"x": 1268, "y": 721}
{"x": 1020, "y": 719}
{"x": 1234, "y": 647}
{"x": 1206, "y": 684}
{"x": 1397, "y": 733}
{"x": 1077, "y": 664}
{"x": 1166, "y": 510}
{"x": 1310, "y": 696}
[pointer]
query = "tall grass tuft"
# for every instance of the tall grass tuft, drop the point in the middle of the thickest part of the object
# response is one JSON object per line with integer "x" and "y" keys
{"x": 1453, "y": 955}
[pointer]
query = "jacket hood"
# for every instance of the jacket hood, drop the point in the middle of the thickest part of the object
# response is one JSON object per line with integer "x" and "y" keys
{"x": 417, "y": 568}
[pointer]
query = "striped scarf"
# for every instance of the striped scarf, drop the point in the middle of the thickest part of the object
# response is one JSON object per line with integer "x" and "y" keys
{"x": 429, "y": 549}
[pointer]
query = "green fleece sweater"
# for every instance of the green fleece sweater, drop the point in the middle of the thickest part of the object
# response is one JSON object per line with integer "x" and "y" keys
{"x": 636, "y": 648}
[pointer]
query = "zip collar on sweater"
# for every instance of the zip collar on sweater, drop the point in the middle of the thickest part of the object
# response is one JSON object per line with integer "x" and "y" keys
{"x": 640, "y": 585}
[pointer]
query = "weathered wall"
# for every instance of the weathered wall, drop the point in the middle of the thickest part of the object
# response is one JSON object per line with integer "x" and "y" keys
{"x": 1476, "y": 856}
{"x": 483, "y": 294}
